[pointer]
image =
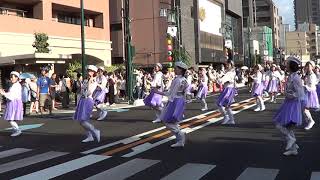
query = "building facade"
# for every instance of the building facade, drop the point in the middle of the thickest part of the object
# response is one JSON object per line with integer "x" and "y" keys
{"x": 297, "y": 43}
{"x": 312, "y": 32}
{"x": 60, "y": 20}
{"x": 307, "y": 11}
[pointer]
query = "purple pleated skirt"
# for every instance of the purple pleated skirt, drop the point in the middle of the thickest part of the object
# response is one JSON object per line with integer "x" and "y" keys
{"x": 311, "y": 100}
{"x": 14, "y": 110}
{"x": 265, "y": 85}
{"x": 290, "y": 112}
{"x": 173, "y": 112}
{"x": 98, "y": 96}
{"x": 273, "y": 86}
{"x": 226, "y": 98}
{"x": 202, "y": 91}
{"x": 153, "y": 99}
{"x": 257, "y": 89}
{"x": 318, "y": 90}
{"x": 84, "y": 109}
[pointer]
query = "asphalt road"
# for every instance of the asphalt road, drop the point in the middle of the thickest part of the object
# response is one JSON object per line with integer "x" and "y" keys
{"x": 132, "y": 147}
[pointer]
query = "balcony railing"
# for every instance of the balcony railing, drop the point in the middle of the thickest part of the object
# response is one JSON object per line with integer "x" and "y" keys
{"x": 12, "y": 12}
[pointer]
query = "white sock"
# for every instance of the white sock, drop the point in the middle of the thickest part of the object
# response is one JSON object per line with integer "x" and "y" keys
{"x": 230, "y": 113}
{"x": 204, "y": 103}
{"x": 14, "y": 125}
{"x": 261, "y": 101}
{"x": 309, "y": 116}
{"x": 89, "y": 127}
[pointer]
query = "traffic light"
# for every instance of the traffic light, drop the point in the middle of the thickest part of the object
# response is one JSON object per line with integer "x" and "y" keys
{"x": 170, "y": 48}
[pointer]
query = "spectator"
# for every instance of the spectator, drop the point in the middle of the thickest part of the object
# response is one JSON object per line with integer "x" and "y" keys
{"x": 43, "y": 90}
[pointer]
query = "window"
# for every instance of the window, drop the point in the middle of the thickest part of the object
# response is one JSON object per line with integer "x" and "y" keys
{"x": 72, "y": 19}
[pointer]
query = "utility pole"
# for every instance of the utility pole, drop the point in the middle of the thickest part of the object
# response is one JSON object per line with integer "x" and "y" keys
{"x": 83, "y": 53}
{"x": 129, "y": 67}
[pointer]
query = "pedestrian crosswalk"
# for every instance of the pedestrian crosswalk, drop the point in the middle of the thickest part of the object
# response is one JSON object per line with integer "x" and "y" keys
{"x": 29, "y": 164}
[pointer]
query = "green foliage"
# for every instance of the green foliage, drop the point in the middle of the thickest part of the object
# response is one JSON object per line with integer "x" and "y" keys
{"x": 116, "y": 67}
{"x": 41, "y": 43}
{"x": 182, "y": 55}
{"x": 73, "y": 68}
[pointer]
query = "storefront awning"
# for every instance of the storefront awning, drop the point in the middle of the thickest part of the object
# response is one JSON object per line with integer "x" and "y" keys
{"x": 36, "y": 58}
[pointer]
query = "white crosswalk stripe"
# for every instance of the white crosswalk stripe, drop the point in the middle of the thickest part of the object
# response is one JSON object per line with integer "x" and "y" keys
{"x": 12, "y": 152}
{"x": 190, "y": 172}
{"x": 30, "y": 160}
{"x": 125, "y": 170}
{"x": 64, "y": 168}
{"x": 258, "y": 173}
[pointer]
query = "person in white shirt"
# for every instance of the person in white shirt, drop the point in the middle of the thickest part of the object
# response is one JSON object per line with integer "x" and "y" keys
{"x": 85, "y": 106}
{"x": 273, "y": 86}
{"x": 99, "y": 93}
{"x": 226, "y": 97}
{"x": 173, "y": 112}
{"x": 154, "y": 100}
{"x": 14, "y": 106}
{"x": 312, "y": 101}
{"x": 258, "y": 88}
{"x": 203, "y": 89}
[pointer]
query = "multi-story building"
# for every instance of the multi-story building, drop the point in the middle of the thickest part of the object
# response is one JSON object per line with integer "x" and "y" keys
{"x": 312, "y": 32}
{"x": 284, "y": 28}
{"x": 259, "y": 13}
{"x": 297, "y": 43}
{"x": 60, "y": 20}
{"x": 307, "y": 11}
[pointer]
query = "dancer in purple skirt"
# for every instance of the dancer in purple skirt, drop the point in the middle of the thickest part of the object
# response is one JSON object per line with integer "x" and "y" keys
{"x": 14, "y": 106}
{"x": 311, "y": 101}
{"x": 273, "y": 85}
{"x": 172, "y": 114}
{"x": 99, "y": 93}
{"x": 258, "y": 88}
{"x": 290, "y": 113}
{"x": 85, "y": 106}
{"x": 227, "y": 95}
{"x": 203, "y": 89}
{"x": 317, "y": 72}
{"x": 154, "y": 100}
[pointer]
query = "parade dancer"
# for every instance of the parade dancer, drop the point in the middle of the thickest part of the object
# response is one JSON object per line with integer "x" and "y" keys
{"x": 266, "y": 80}
{"x": 273, "y": 85}
{"x": 172, "y": 114}
{"x": 189, "y": 94}
{"x": 290, "y": 113}
{"x": 311, "y": 101}
{"x": 154, "y": 100}
{"x": 317, "y": 72}
{"x": 85, "y": 106}
{"x": 99, "y": 93}
{"x": 226, "y": 97}
{"x": 14, "y": 106}
{"x": 203, "y": 89}
{"x": 258, "y": 88}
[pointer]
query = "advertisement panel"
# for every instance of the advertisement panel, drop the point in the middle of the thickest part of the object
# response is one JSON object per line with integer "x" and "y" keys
{"x": 210, "y": 17}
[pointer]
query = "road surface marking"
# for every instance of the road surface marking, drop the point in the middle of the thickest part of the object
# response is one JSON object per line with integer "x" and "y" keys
{"x": 315, "y": 176}
{"x": 13, "y": 152}
{"x": 27, "y": 127}
{"x": 125, "y": 170}
{"x": 190, "y": 171}
{"x": 165, "y": 133}
{"x": 142, "y": 148}
{"x": 30, "y": 160}
{"x": 138, "y": 136}
{"x": 258, "y": 173}
{"x": 64, "y": 168}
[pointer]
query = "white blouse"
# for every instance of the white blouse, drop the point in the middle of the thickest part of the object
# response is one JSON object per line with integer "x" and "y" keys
{"x": 157, "y": 81}
{"x": 102, "y": 82}
{"x": 257, "y": 78}
{"x": 275, "y": 75}
{"x": 310, "y": 82}
{"x": 15, "y": 92}
{"x": 177, "y": 88}
{"x": 228, "y": 80}
{"x": 294, "y": 87}
{"x": 88, "y": 87}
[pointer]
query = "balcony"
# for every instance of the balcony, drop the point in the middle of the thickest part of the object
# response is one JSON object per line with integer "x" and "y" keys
{"x": 12, "y": 12}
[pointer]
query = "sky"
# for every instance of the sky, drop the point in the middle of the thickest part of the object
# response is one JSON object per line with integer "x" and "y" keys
{"x": 286, "y": 10}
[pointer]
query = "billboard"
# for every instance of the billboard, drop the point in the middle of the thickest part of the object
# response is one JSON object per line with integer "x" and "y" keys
{"x": 210, "y": 17}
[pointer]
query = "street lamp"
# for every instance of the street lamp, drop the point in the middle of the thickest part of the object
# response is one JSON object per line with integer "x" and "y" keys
{"x": 83, "y": 53}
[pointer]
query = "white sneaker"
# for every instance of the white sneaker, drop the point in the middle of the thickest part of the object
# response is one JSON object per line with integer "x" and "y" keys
{"x": 257, "y": 109}
{"x": 178, "y": 144}
{"x": 225, "y": 120}
{"x": 310, "y": 125}
{"x": 103, "y": 115}
{"x": 263, "y": 108}
{"x": 156, "y": 121}
{"x": 231, "y": 122}
{"x": 204, "y": 109}
{"x": 290, "y": 142}
{"x": 291, "y": 153}
{"x": 16, "y": 133}
{"x": 97, "y": 135}
{"x": 88, "y": 139}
